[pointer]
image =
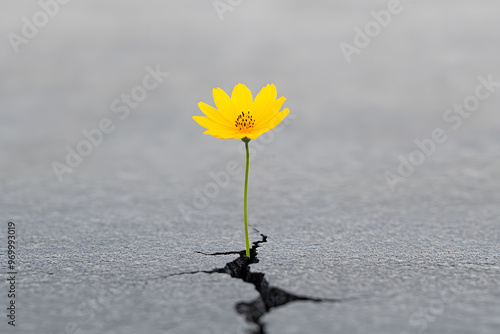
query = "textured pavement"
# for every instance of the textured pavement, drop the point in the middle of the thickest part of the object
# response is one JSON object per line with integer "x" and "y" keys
{"x": 113, "y": 248}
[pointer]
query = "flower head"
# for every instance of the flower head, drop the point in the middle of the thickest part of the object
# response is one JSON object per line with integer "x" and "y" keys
{"x": 240, "y": 116}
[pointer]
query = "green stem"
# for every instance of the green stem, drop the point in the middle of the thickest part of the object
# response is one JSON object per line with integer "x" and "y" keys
{"x": 246, "y": 140}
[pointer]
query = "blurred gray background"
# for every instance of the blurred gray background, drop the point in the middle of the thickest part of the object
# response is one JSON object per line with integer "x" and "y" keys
{"x": 317, "y": 188}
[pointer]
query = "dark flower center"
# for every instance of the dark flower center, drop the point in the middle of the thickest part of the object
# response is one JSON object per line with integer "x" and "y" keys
{"x": 244, "y": 121}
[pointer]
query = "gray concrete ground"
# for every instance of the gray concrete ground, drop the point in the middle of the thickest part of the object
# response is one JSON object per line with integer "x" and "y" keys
{"x": 96, "y": 251}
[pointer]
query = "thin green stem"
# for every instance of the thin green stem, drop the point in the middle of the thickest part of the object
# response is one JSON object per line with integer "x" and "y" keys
{"x": 245, "y": 200}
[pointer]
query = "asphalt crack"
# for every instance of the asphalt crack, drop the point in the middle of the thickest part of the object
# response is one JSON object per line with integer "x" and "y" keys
{"x": 269, "y": 296}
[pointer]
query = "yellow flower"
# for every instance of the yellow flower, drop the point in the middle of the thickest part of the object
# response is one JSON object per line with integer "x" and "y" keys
{"x": 239, "y": 116}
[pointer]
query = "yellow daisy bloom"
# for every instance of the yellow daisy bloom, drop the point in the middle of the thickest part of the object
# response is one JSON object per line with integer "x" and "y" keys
{"x": 242, "y": 117}
{"x": 239, "y": 116}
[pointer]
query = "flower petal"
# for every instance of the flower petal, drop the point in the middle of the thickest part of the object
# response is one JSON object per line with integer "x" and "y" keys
{"x": 270, "y": 124}
{"x": 214, "y": 114}
{"x": 224, "y": 134}
{"x": 224, "y": 104}
{"x": 242, "y": 98}
{"x": 271, "y": 112}
{"x": 263, "y": 101}
{"x": 211, "y": 124}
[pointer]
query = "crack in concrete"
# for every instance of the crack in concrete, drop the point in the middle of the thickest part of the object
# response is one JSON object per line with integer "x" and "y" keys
{"x": 270, "y": 296}
{"x": 220, "y": 253}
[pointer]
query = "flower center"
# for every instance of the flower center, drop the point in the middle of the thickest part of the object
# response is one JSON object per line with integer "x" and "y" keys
{"x": 244, "y": 121}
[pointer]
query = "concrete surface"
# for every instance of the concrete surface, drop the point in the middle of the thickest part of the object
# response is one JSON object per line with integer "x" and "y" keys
{"x": 96, "y": 250}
